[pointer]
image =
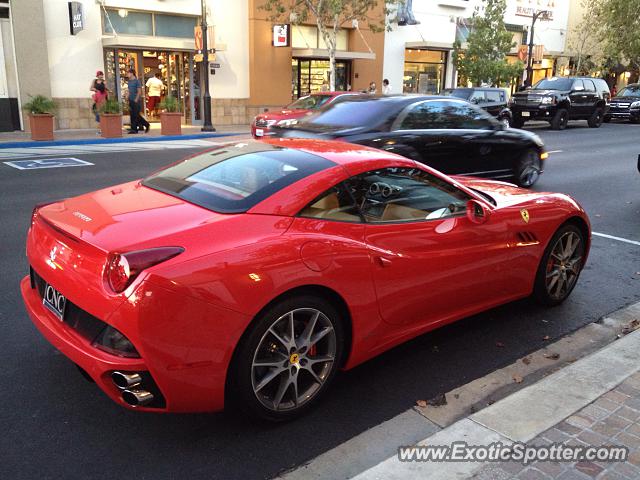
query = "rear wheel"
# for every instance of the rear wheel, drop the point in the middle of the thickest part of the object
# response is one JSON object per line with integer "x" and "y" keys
{"x": 560, "y": 119}
{"x": 289, "y": 358}
{"x": 560, "y": 266}
{"x": 595, "y": 120}
{"x": 527, "y": 169}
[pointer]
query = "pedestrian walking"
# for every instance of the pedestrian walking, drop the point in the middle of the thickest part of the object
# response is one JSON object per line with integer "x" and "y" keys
{"x": 372, "y": 88}
{"x": 386, "y": 88}
{"x": 100, "y": 94}
{"x": 138, "y": 122}
{"x": 155, "y": 86}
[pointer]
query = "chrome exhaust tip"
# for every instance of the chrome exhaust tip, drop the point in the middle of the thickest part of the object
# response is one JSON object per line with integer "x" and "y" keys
{"x": 137, "y": 398}
{"x": 126, "y": 380}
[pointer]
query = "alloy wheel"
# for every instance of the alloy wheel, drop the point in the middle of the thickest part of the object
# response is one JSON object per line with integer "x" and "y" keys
{"x": 564, "y": 265}
{"x": 529, "y": 170}
{"x": 293, "y": 359}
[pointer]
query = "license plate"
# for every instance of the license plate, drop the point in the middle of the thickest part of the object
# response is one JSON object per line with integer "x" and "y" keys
{"x": 259, "y": 132}
{"x": 54, "y": 301}
{"x": 525, "y": 114}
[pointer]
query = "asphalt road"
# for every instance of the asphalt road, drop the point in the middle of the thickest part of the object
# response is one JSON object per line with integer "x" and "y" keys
{"x": 54, "y": 424}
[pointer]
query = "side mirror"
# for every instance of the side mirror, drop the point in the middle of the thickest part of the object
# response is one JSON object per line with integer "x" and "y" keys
{"x": 477, "y": 213}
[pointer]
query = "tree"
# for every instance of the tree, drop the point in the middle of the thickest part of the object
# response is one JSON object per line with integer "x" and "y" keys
{"x": 330, "y": 16}
{"x": 489, "y": 42}
{"x": 587, "y": 39}
{"x": 620, "y": 20}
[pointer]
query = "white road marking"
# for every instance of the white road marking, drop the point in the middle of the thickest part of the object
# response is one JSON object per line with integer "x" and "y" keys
{"x": 619, "y": 239}
{"x": 555, "y": 151}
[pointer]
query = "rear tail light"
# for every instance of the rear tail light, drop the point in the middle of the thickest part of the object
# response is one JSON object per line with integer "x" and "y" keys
{"x": 123, "y": 268}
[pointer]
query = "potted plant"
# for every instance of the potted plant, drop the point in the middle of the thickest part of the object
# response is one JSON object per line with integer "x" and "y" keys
{"x": 41, "y": 111}
{"x": 170, "y": 117}
{"x": 111, "y": 119}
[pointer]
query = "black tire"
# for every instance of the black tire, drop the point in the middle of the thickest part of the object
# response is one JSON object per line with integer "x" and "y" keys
{"x": 606, "y": 118}
{"x": 527, "y": 168}
{"x": 596, "y": 118}
{"x": 543, "y": 290}
{"x": 517, "y": 123}
{"x": 560, "y": 119}
{"x": 241, "y": 381}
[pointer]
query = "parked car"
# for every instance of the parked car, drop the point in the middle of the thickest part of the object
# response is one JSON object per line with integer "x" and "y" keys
{"x": 249, "y": 274}
{"x": 492, "y": 100}
{"x": 560, "y": 99}
{"x": 261, "y": 125}
{"x": 626, "y": 104}
{"x": 446, "y": 133}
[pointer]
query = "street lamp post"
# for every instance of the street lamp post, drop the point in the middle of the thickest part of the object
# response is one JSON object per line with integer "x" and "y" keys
{"x": 207, "y": 126}
{"x": 528, "y": 81}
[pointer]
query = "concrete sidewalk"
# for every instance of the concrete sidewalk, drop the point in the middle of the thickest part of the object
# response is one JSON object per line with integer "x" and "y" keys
{"x": 592, "y": 401}
{"x": 71, "y": 137}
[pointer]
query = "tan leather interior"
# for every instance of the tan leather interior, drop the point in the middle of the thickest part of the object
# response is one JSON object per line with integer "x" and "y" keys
{"x": 399, "y": 212}
{"x": 328, "y": 207}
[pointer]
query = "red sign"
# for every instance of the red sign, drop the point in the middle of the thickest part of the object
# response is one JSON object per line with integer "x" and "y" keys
{"x": 281, "y": 35}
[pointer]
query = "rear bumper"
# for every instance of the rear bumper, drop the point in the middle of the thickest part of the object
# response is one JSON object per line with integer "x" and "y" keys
{"x": 185, "y": 352}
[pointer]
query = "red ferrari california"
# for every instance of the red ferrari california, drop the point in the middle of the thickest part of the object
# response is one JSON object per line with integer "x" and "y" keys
{"x": 249, "y": 274}
{"x": 289, "y": 115}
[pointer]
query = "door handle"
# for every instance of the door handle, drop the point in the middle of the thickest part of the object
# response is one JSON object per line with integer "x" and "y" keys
{"x": 384, "y": 262}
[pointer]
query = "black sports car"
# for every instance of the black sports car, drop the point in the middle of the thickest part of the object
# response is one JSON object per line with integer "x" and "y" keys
{"x": 445, "y": 133}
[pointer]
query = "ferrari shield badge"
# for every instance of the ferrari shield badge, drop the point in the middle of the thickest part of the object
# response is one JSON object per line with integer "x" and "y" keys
{"x": 525, "y": 215}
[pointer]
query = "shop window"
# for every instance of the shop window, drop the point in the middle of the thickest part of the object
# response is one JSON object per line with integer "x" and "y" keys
{"x": 127, "y": 22}
{"x": 174, "y": 26}
{"x": 424, "y": 71}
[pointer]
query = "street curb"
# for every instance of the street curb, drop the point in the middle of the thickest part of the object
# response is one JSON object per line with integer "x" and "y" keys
{"x": 130, "y": 139}
{"x": 609, "y": 336}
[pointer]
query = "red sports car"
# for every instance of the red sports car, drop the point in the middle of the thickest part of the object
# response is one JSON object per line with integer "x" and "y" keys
{"x": 261, "y": 125}
{"x": 255, "y": 271}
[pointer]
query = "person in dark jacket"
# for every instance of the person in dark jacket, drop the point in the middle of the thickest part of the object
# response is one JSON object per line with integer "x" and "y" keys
{"x": 138, "y": 122}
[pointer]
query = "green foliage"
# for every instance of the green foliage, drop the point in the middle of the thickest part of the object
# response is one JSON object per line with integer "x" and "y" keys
{"x": 489, "y": 42}
{"x": 170, "y": 104}
{"x": 620, "y": 23}
{"x": 330, "y": 16}
{"x": 110, "y": 106}
{"x": 39, "y": 104}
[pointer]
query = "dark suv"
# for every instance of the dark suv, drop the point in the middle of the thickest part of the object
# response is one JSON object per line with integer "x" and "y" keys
{"x": 626, "y": 104}
{"x": 558, "y": 100}
{"x": 492, "y": 100}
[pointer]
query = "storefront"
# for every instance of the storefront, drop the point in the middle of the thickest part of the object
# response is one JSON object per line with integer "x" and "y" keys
{"x": 173, "y": 65}
{"x": 424, "y": 71}
{"x": 312, "y": 75}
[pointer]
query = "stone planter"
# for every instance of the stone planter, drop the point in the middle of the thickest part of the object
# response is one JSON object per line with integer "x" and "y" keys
{"x": 111, "y": 125}
{"x": 41, "y": 126}
{"x": 171, "y": 123}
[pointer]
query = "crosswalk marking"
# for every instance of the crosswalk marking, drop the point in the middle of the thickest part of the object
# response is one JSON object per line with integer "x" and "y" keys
{"x": 32, "y": 152}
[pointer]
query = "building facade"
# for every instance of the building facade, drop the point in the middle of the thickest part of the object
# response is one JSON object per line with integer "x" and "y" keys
{"x": 418, "y": 55}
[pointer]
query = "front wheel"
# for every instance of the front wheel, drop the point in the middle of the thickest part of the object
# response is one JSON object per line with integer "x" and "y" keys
{"x": 288, "y": 359}
{"x": 595, "y": 120}
{"x": 527, "y": 170}
{"x": 560, "y": 119}
{"x": 560, "y": 265}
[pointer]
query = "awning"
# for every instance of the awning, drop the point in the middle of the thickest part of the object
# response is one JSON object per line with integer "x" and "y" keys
{"x": 428, "y": 45}
{"x": 323, "y": 53}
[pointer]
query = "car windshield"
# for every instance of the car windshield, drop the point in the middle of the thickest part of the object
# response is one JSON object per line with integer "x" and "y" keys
{"x": 350, "y": 113}
{"x": 460, "y": 93}
{"x": 310, "y": 102}
{"x": 630, "y": 91}
{"x": 554, "y": 83}
{"x": 234, "y": 178}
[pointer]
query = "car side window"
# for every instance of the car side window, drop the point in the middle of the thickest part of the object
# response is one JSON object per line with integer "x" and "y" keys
{"x": 477, "y": 97}
{"x": 577, "y": 85}
{"x": 336, "y": 204}
{"x": 421, "y": 117}
{"x": 493, "y": 96}
{"x": 404, "y": 194}
{"x": 589, "y": 86}
{"x": 465, "y": 116}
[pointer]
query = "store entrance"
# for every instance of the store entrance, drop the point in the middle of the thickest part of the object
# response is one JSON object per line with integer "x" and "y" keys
{"x": 312, "y": 75}
{"x": 162, "y": 73}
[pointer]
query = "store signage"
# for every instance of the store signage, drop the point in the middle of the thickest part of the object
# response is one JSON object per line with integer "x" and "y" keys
{"x": 198, "y": 37}
{"x": 281, "y": 35}
{"x": 527, "y": 8}
{"x": 76, "y": 20}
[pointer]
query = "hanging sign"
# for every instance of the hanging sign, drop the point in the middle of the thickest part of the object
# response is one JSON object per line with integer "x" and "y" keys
{"x": 76, "y": 20}
{"x": 281, "y": 35}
